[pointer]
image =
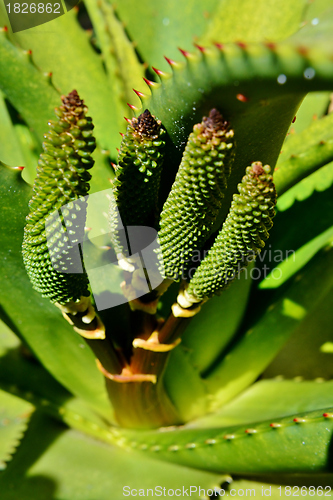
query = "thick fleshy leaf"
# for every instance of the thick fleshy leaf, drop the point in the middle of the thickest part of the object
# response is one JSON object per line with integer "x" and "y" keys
{"x": 170, "y": 25}
{"x": 14, "y": 412}
{"x": 314, "y": 106}
{"x": 57, "y": 463}
{"x": 10, "y": 151}
{"x": 257, "y": 346}
{"x": 60, "y": 349}
{"x": 224, "y": 314}
{"x": 292, "y": 243}
{"x": 269, "y": 400}
{"x": 68, "y": 55}
{"x": 271, "y": 83}
{"x": 253, "y": 21}
{"x": 319, "y": 181}
{"x": 294, "y": 444}
{"x": 304, "y": 153}
{"x": 119, "y": 55}
{"x": 14, "y": 418}
{"x": 294, "y": 263}
{"x": 35, "y": 97}
{"x": 309, "y": 352}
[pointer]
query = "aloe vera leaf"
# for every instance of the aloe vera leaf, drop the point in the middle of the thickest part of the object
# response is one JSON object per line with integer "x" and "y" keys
{"x": 233, "y": 448}
{"x": 314, "y": 9}
{"x": 34, "y": 98}
{"x": 320, "y": 180}
{"x": 268, "y": 400}
{"x": 294, "y": 444}
{"x": 52, "y": 339}
{"x": 188, "y": 393}
{"x": 30, "y": 150}
{"x": 257, "y": 346}
{"x": 67, "y": 53}
{"x": 119, "y": 56}
{"x": 259, "y": 115}
{"x": 309, "y": 352}
{"x": 68, "y": 465}
{"x": 144, "y": 22}
{"x": 312, "y": 108}
{"x": 224, "y": 314}
{"x": 10, "y": 151}
{"x": 304, "y": 153}
{"x": 294, "y": 263}
{"x": 253, "y": 21}
{"x": 14, "y": 418}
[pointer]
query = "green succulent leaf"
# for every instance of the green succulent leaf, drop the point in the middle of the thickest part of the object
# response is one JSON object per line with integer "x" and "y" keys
{"x": 14, "y": 418}
{"x": 270, "y": 399}
{"x": 71, "y": 59}
{"x": 305, "y": 153}
{"x": 320, "y": 180}
{"x": 9, "y": 142}
{"x": 313, "y": 107}
{"x": 118, "y": 54}
{"x": 253, "y": 21}
{"x": 257, "y": 448}
{"x": 255, "y": 348}
{"x": 35, "y": 98}
{"x": 164, "y": 25}
{"x": 272, "y": 80}
{"x": 306, "y": 355}
{"x": 60, "y": 465}
{"x": 53, "y": 340}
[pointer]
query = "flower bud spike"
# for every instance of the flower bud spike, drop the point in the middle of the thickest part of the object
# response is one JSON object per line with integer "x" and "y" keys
{"x": 195, "y": 199}
{"x": 137, "y": 178}
{"x": 50, "y": 255}
{"x": 242, "y": 237}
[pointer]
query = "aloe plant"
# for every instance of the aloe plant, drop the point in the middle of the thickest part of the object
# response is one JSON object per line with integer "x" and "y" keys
{"x": 209, "y": 377}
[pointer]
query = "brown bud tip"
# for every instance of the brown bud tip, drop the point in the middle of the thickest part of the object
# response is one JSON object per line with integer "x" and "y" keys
{"x": 257, "y": 168}
{"x": 146, "y": 124}
{"x": 214, "y": 121}
{"x": 213, "y": 125}
{"x": 72, "y": 100}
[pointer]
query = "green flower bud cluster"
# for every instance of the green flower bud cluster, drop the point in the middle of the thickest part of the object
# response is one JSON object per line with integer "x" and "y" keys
{"x": 243, "y": 234}
{"x": 62, "y": 179}
{"x": 196, "y": 196}
{"x": 138, "y": 176}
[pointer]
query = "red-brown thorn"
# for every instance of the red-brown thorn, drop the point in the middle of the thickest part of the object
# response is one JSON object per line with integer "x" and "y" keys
{"x": 149, "y": 82}
{"x": 200, "y": 47}
{"x": 138, "y": 93}
{"x": 170, "y": 61}
{"x": 184, "y": 52}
